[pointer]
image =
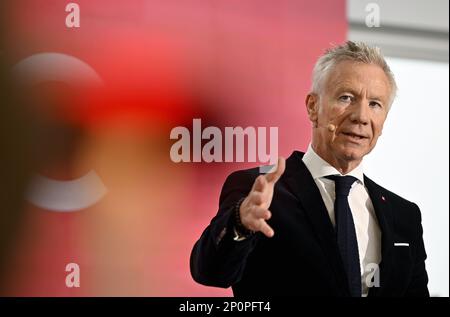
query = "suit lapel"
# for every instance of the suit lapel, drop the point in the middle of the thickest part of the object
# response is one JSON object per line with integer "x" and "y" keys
{"x": 299, "y": 180}
{"x": 385, "y": 220}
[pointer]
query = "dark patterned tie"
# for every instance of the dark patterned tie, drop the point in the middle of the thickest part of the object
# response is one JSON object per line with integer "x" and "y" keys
{"x": 345, "y": 232}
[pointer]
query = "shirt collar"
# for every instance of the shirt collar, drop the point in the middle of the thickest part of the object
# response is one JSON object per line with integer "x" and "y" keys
{"x": 319, "y": 168}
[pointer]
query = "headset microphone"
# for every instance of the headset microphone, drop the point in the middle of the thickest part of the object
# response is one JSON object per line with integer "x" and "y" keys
{"x": 331, "y": 127}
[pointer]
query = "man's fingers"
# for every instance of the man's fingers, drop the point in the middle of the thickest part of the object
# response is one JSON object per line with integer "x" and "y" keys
{"x": 261, "y": 213}
{"x": 259, "y": 184}
{"x": 266, "y": 229}
{"x": 257, "y": 220}
{"x": 262, "y": 181}
{"x": 275, "y": 176}
{"x": 256, "y": 197}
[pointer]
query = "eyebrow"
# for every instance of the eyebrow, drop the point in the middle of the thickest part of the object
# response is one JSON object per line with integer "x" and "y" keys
{"x": 346, "y": 89}
{"x": 354, "y": 92}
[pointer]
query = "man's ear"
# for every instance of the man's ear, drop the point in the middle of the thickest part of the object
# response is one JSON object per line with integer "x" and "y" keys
{"x": 312, "y": 105}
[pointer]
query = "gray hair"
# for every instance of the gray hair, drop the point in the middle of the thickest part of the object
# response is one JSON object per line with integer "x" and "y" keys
{"x": 351, "y": 51}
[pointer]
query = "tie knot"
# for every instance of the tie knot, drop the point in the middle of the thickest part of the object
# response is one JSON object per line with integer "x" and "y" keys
{"x": 342, "y": 184}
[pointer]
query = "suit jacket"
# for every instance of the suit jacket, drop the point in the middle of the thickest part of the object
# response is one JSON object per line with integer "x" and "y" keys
{"x": 302, "y": 258}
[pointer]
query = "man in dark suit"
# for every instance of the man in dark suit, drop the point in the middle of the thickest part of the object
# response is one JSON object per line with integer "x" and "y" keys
{"x": 317, "y": 225}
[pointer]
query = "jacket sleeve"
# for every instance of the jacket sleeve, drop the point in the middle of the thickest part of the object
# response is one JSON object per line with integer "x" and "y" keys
{"x": 419, "y": 281}
{"x": 217, "y": 259}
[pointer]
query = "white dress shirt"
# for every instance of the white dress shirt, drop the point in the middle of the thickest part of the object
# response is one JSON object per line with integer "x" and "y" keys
{"x": 367, "y": 230}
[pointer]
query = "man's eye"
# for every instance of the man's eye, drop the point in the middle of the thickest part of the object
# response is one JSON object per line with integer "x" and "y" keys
{"x": 375, "y": 104}
{"x": 345, "y": 98}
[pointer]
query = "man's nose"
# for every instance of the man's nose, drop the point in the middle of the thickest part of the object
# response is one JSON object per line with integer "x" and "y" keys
{"x": 360, "y": 112}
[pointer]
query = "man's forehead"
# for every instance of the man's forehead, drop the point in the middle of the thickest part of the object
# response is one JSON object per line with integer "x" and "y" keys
{"x": 357, "y": 76}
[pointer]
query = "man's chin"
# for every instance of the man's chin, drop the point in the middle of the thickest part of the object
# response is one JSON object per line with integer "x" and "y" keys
{"x": 352, "y": 155}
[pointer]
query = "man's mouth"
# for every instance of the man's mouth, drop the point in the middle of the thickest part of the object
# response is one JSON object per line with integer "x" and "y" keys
{"x": 355, "y": 136}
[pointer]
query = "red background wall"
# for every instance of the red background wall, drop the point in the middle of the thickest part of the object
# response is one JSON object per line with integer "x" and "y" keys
{"x": 230, "y": 63}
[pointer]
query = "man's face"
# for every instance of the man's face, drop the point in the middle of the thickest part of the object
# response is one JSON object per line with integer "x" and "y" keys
{"x": 355, "y": 99}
